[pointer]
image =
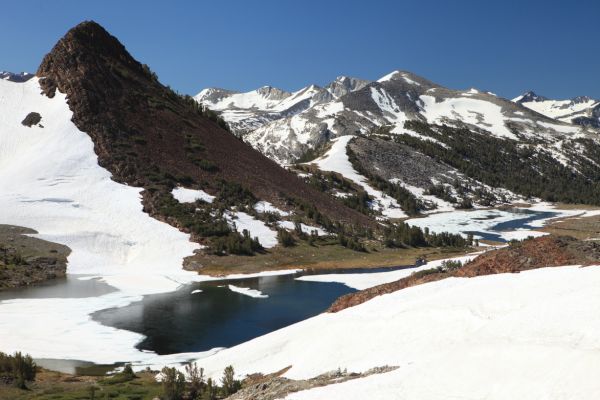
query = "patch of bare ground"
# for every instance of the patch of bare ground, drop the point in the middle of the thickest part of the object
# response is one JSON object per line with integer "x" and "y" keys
{"x": 26, "y": 260}
{"x": 274, "y": 386}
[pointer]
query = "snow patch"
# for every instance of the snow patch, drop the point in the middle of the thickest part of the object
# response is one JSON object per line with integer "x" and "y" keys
{"x": 483, "y": 114}
{"x": 243, "y": 221}
{"x": 184, "y": 195}
{"x": 308, "y": 229}
{"x": 248, "y": 292}
{"x": 265, "y": 206}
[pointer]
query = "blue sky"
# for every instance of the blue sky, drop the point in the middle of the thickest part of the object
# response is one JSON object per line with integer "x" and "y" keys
{"x": 505, "y": 46}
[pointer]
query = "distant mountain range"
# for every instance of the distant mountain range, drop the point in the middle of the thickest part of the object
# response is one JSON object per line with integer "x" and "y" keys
{"x": 20, "y": 77}
{"x": 448, "y": 138}
{"x": 286, "y": 125}
{"x": 581, "y": 110}
{"x": 246, "y": 112}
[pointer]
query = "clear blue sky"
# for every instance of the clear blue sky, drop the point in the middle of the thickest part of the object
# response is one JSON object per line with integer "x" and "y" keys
{"x": 507, "y": 46}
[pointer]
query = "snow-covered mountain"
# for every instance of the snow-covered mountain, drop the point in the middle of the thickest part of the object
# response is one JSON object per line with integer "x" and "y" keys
{"x": 581, "y": 110}
{"x": 416, "y": 114}
{"x": 20, "y": 77}
{"x": 284, "y": 133}
{"x": 248, "y": 111}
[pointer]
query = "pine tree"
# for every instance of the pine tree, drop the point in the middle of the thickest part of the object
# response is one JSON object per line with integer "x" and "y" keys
{"x": 229, "y": 384}
{"x": 196, "y": 379}
{"x": 173, "y": 383}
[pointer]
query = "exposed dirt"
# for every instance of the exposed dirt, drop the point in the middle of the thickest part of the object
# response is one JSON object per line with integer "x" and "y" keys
{"x": 25, "y": 260}
{"x": 546, "y": 251}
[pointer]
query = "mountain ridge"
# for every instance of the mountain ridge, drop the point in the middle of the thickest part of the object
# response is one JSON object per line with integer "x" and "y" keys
{"x": 146, "y": 135}
{"x": 579, "y": 110}
{"x": 391, "y": 100}
{"x": 430, "y": 119}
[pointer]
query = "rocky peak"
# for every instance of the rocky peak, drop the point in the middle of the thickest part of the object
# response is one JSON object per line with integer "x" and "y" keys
{"x": 272, "y": 93}
{"x": 20, "y": 77}
{"x": 406, "y": 81}
{"x": 148, "y": 136}
{"x": 581, "y": 99}
{"x": 343, "y": 85}
{"x": 213, "y": 95}
{"x": 86, "y": 52}
{"x": 529, "y": 97}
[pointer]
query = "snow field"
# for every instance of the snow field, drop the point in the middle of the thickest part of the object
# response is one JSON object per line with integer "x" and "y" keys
{"x": 523, "y": 335}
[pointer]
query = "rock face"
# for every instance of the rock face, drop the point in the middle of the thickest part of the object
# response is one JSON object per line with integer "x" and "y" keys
{"x": 547, "y": 251}
{"x": 149, "y": 136}
{"x": 528, "y": 97}
{"x": 26, "y": 261}
{"x": 31, "y": 119}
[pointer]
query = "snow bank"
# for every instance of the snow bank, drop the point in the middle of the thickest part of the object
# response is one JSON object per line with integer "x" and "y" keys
{"x": 526, "y": 335}
{"x": 248, "y": 292}
{"x": 184, "y": 195}
{"x": 308, "y": 229}
{"x": 361, "y": 281}
{"x": 265, "y": 206}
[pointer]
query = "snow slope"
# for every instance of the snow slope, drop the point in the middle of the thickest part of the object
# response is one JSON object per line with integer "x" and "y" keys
{"x": 51, "y": 182}
{"x": 336, "y": 160}
{"x": 528, "y": 335}
{"x": 465, "y": 109}
{"x": 563, "y": 110}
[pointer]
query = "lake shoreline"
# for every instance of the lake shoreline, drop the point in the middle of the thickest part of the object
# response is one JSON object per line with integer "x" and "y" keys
{"x": 28, "y": 261}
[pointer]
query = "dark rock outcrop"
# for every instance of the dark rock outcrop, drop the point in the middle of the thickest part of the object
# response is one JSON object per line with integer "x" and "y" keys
{"x": 31, "y": 119}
